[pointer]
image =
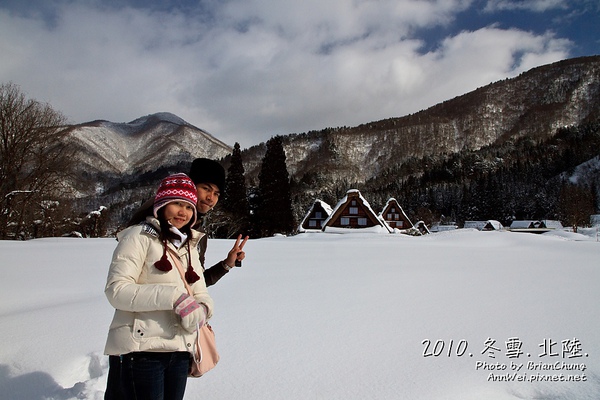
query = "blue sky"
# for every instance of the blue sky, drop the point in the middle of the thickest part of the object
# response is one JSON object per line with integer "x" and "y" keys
{"x": 246, "y": 70}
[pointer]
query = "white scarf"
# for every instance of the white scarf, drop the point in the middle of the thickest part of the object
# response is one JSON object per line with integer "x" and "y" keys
{"x": 177, "y": 242}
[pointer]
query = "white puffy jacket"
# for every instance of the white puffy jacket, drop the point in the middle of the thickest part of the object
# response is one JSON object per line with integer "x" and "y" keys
{"x": 143, "y": 296}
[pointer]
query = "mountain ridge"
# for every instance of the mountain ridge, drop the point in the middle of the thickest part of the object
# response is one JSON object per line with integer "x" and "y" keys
{"x": 535, "y": 104}
{"x": 143, "y": 144}
{"x": 121, "y": 162}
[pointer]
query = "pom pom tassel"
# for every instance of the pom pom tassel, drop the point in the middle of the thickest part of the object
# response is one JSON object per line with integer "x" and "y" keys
{"x": 163, "y": 264}
{"x": 190, "y": 275}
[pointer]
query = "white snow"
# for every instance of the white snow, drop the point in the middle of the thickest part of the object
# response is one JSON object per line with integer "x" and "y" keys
{"x": 330, "y": 316}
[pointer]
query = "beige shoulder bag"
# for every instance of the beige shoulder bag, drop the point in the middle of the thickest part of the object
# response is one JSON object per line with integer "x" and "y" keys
{"x": 205, "y": 355}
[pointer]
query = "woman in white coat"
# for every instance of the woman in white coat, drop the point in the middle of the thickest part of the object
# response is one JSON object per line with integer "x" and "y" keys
{"x": 153, "y": 330}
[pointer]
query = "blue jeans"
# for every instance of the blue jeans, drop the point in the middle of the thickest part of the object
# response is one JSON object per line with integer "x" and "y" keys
{"x": 148, "y": 376}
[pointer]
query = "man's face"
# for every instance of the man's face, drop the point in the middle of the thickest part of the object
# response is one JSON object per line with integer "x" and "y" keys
{"x": 208, "y": 196}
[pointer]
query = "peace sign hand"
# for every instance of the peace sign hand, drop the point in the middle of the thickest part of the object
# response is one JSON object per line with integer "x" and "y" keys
{"x": 236, "y": 254}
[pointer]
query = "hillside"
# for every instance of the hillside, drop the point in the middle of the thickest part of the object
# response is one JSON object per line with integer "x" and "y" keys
{"x": 120, "y": 163}
{"x": 534, "y": 104}
{"x": 395, "y": 157}
{"x": 141, "y": 145}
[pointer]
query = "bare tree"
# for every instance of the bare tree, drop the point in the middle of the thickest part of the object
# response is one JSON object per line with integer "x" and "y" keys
{"x": 34, "y": 161}
{"x": 576, "y": 204}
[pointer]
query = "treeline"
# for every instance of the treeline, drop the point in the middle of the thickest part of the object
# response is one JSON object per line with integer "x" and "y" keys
{"x": 522, "y": 179}
{"x": 38, "y": 167}
{"x": 514, "y": 180}
{"x": 259, "y": 211}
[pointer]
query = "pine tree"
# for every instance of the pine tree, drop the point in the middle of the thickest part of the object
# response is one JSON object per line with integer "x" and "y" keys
{"x": 274, "y": 209}
{"x": 235, "y": 200}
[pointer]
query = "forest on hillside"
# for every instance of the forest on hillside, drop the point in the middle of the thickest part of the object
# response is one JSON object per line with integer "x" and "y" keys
{"x": 522, "y": 179}
{"x": 516, "y": 179}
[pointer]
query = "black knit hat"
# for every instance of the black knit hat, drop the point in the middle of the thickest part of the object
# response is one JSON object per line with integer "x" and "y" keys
{"x": 204, "y": 170}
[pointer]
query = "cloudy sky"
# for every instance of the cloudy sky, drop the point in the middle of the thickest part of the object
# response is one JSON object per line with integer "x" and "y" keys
{"x": 246, "y": 70}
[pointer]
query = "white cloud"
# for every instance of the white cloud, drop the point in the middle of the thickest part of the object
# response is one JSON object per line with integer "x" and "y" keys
{"x": 256, "y": 68}
{"x": 530, "y": 5}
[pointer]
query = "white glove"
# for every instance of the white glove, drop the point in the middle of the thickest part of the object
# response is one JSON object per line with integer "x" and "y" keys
{"x": 190, "y": 312}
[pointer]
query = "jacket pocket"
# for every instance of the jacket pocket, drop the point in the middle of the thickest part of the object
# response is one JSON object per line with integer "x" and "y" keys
{"x": 154, "y": 324}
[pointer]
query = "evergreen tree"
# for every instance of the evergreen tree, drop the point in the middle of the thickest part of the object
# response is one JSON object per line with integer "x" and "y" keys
{"x": 274, "y": 209}
{"x": 235, "y": 200}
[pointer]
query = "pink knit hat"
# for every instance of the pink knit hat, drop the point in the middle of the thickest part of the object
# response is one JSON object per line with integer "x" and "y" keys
{"x": 177, "y": 187}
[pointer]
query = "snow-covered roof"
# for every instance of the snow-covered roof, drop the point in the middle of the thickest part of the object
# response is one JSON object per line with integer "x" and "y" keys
{"x": 393, "y": 201}
{"x": 481, "y": 225}
{"x": 443, "y": 227}
{"x": 356, "y": 193}
{"x": 520, "y": 224}
{"x": 422, "y": 227}
{"x": 475, "y": 224}
{"x": 492, "y": 223}
{"x": 326, "y": 207}
{"x": 544, "y": 223}
{"x": 552, "y": 224}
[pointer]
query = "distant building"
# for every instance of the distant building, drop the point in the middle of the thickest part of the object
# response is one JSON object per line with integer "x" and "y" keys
{"x": 489, "y": 225}
{"x": 492, "y": 225}
{"x": 394, "y": 215}
{"x": 524, "y": 224}
{"x": 551, "y": 224}
{"x": 422, "y": 228}
{"x": 354, "y": 212}
{"x": 315, "y": 217}
{"x": 535, "y": 226}
{"x": 474, "y": 225}
{"x": 443, "y": 227}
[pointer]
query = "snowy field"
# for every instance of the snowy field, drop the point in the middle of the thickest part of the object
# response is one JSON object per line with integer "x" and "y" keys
{"x": 452, "y": 315}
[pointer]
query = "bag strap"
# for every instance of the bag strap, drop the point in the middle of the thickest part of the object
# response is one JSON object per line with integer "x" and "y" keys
{"x": 179, "y": 266}
{"x": 197, "y": 356}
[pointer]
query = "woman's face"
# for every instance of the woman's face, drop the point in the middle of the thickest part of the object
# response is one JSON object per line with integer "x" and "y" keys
{"x": 179, "y": 213}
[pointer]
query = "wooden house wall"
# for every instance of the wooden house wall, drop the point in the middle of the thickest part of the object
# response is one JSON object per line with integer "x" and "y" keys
{"x": 316, "y": 218}
{"x": 353, "y": 215}
{"x": 394, "y": 216}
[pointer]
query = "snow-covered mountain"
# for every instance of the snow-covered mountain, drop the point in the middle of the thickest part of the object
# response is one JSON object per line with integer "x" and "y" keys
{"x": 142, "y": 145}
{"x": 120, "y": 163}
{"x": 534, "y": 104}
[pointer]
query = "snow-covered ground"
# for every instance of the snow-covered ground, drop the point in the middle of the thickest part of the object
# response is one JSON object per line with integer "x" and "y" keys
{"x": 332, "y": 316}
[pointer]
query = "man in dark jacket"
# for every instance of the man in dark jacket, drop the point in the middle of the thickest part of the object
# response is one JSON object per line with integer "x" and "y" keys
{"x": 209, "y": 177}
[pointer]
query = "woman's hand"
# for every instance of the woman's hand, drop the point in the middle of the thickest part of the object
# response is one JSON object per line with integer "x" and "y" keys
{"x": 190, "y": 311}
